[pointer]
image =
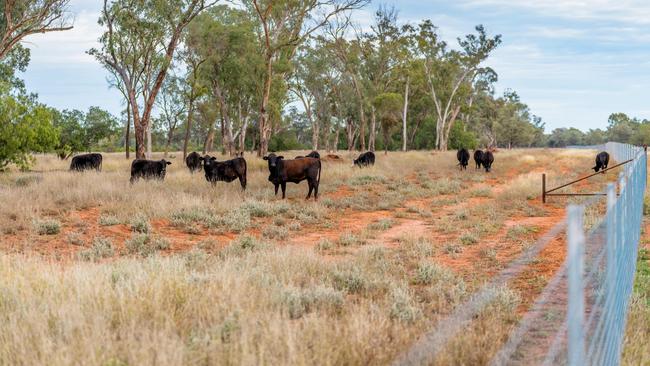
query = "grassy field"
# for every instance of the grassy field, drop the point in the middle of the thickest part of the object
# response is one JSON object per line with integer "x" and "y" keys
{"x": 96, "y": 271}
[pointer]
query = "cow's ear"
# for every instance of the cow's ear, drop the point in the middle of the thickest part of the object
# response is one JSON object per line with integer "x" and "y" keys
{"x": 169, "y": 162}
{"x": 280, "y": 157}
{"x": 213, "y": 159}
{"x": 266, "y": 158}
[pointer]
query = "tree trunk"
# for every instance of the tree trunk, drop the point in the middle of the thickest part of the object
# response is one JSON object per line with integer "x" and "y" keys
{"x": 336, "y": 137}
{"x": 406, "y": 105}
{"x": 188, "y": 125}
{"x": 209, "y": 138}
{"x": 350, "y": 134}
{"x": 373, "y": 130}
{"x": 265, "y": 125}
{"x": 243, "y": 128}
{"x": 140, "y": 133}
{"x": 228, "y": 141}
{"x": 315, "y": 132}
{"x": 127, "y": 137}
{"x": 149, "y": 141}
{"x": 170, "y": 136}
{"x": 444, "y": 135}
{"x": 362, "y": 113}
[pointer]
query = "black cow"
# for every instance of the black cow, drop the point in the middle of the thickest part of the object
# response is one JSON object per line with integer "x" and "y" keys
{"x": 602, "y": 159}
{"x": 463, "y": 158}
{"x": 225, "y": 171}
{"x": 283, "y": 171}
{"x": 148, "y": 169}
{"x": 365, "y": 159}
{"x": 478, "y": 158}
{"x": 86, "y": 162}
{"x": 488, "y": 159}
{"x": 314, "y": 154}
{"x": 193, "y": 161}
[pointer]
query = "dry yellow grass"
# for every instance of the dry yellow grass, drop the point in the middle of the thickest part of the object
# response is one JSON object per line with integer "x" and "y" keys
{"x": 255, "y": 301}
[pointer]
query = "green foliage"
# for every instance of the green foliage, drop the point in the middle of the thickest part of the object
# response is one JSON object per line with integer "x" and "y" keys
{"x": 285, "y": 140}
{"x": 25, "y": 127}
{"x": 461, "y": 137}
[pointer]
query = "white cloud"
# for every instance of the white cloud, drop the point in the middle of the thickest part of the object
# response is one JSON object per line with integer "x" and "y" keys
{"x": 626, "y": 11}
{"x": 69, "y": 46}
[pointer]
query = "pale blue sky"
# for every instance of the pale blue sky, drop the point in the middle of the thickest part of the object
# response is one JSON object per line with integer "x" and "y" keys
{"x": 572, "y": 61}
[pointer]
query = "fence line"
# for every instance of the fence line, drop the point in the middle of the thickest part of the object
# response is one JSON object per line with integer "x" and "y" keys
{"x": 579, "y": 319}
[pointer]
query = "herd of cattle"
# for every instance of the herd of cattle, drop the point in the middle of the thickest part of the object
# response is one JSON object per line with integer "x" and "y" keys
{"x": 481, "y": 158}
{"x": 281, "y": 170}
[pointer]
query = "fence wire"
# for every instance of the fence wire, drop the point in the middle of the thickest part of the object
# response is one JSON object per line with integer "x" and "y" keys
{"x": 579, "y": 318}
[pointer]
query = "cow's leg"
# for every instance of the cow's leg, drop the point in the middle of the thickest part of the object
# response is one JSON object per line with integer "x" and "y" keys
{"x": 284, "y": 189}
{"x": 276, "y": 188}
{"x": 242, "y": 181}
{"x": 316, "y": 183}
{"x": 310, "y": 183}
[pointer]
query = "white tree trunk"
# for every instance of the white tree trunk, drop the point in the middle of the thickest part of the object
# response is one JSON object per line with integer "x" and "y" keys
{"x": 406, "y": 105}
{"x": 149, "y": 141}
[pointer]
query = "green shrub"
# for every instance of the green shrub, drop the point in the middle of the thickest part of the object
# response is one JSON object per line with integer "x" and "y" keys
{"x": 140, "y": 224}
{"x": 144, "y": 245}
{"x": 403, "y": 308}
{"x": 468, "y": 239}
{"x": 47, "y": 227}
{"x": 275, "y": 232}
{"x": 108, "y": 220}
{"x": 299, "y": 301}
{"x": 101, "y": 248}
{"x": 76, "y": 239}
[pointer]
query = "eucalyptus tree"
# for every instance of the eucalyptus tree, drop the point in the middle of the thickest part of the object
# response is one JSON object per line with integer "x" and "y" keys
{"x": 449, "y": 72}
{"x": 21, "y": 18}
{"x": 146, "y": 32}
{"x": 172, "y": 106}
{"x": 347, "y": 53}
{"x": 311, "y": 82}
{"x": 383, "y": 51}
{"x": 283, "y": 26}
{"x": 225, "y": 38}
{"x": 389, "y": 108}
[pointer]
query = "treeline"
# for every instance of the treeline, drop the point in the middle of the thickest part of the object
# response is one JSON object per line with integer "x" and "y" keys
{"x": 272, "y": 75}
{"x": 620, "y": 128}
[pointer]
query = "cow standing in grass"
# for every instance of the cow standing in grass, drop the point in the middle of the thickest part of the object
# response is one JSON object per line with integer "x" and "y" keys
{"x": 365, "y": 159}
{"x": 314, "y": 154}
{"x": 602, "y": 159}
{"x": 193, "y": 162}
{"x": 294, "y": 171}
{"x": 478, "y": 158}
{"x": 225, "y": 171}
{"x": 148, "y": 169}
{"x": 463, "y": 158}
{"x": 86, "y": 162}
{"x": 488, "y": 159}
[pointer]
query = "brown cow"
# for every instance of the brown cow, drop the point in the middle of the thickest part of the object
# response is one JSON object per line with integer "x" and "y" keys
{"x": 283, "y": 171}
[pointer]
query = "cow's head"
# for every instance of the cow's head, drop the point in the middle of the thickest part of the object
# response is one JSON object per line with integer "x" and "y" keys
{"x": 273, "y": 160}
{"x": 163, "y": 165}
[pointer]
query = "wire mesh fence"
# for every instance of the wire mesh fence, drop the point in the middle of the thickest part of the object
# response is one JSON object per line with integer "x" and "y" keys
{"x": 579, "y": 319}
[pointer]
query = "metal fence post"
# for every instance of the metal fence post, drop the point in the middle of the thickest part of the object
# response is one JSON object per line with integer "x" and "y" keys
{"x": 576, "y": 311}
{"x": 543, "y": 187}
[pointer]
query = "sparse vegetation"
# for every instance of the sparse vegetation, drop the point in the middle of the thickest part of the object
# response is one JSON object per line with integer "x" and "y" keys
{"x": 362, "y": 275}
{"x": 101, "y": 248}
{"x": 47, "y": 227}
